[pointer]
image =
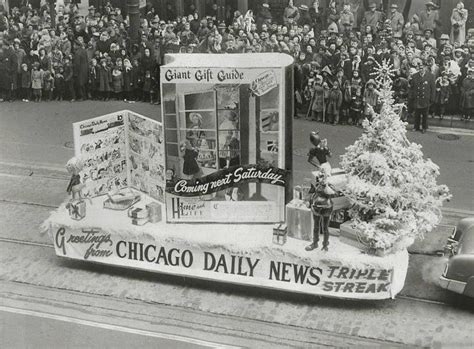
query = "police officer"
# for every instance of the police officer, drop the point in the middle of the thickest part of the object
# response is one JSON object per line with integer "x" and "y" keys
{"x": 422, "y": 93}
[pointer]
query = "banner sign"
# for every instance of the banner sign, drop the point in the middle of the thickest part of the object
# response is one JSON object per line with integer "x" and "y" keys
{"x": 315, "y": 275}
{"x": 227, "y": 178}
{"x": 227, "y": 75}
{"x": 264, "y": 83}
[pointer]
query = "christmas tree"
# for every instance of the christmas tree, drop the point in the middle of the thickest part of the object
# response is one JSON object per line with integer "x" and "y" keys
{"x": 392, "y": 187}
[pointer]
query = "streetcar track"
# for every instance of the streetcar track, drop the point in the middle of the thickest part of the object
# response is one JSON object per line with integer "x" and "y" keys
{"x": 152, "y": 319}
{"x": 27, "y": 203}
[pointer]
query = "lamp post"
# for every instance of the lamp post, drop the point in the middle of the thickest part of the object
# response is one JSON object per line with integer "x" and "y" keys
{"x": 134, "y": 18}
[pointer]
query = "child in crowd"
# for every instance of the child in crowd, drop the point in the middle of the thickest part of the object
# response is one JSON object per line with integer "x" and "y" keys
{"x": 48, "y": 85}
{"x": 105, "y": 78}
{"x": 146, "y": 89}
{"x": 117, "y": 83}
{"x": 59, "y": 84}
{"x": 94, "y": 79}
{"x": 443, "y": 92}
{"x": 37, "y": 81}
{"x": 334, "y": 103}
{"x": 25, "y": 82}
{"x": 370, "y": 99}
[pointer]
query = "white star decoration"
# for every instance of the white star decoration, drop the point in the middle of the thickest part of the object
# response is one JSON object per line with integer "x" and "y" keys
{"x": 384, "y": 72}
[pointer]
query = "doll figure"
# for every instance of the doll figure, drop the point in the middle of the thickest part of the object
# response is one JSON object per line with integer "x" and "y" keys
{"x": 320, "y": 151}
{"x": 196, "y": 125}
{"x": 321, "y": 207}
{"x": 191, "y": 167}
{"x": 205, "y": 155}
{"x": 74, "y": 166}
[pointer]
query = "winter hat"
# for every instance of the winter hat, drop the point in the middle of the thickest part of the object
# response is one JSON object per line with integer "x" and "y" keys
{"x": 370, "y": 82}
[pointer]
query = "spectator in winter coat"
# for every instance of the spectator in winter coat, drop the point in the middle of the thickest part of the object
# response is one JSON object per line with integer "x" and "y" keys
{"x": 105, "y": 78}
{"x": 467, "y": 95}
{"x": 443, "y": 92}
{"x": 37, "y": 82}
{"x": 25, "y": 82}
{"x": 372, "y": 18}
{"x": 94, "y": 79}
{"x": 370, "y": 98}
{"x": 334, "y": 103}
{"x": 396, "y": 21}
{"x": 80, "y": 68}
{"x": 68, "y": 79}
{"x": 346, "y": 20}
{"x": 59, "y": 84}
{"x": 48, "y": 85}
{"x": 290, "y": 14}
{"x": 117, "y": 83}
{"x": 458, "y": 23}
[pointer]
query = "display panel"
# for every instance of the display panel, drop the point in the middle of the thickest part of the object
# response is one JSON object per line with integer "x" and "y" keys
{"x": 222, "y": 136}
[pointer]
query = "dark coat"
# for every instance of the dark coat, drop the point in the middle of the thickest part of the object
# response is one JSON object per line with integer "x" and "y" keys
{"x": 128, "y": 79}
{"x": 105, "y": 78}
{"x": 8, "y": 67}
{"x": 467, "y": 93}
{"x": 94, "y": 77}
{"x": 422, "y": 90}
{"x": 80, "y": 66}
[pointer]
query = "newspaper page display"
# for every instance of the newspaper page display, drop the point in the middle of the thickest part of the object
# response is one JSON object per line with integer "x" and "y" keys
{"x": 146, "y": 155}
{"x": 119, "y": 150}
{"x": 101, "y": 145}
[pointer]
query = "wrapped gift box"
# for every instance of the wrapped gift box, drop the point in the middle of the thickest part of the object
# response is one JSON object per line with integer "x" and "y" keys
{"x": 122, "y": 200}
{"x": 154, "y": 212}
{"x": 138, "y": 212}
{"x": 77, "y": 209}
{"x": 280, "y": 233}
{"x": 299, "y": 220}
{"x": 350, "y": 236}
{"x": 139, "y": 221}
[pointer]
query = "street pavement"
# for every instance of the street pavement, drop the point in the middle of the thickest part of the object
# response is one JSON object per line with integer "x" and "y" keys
{"x": 36, "y": 142}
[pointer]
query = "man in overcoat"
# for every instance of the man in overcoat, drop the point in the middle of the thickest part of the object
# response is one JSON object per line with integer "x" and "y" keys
{"x": 422, "y": 94}
{"x": 80, "y": 68}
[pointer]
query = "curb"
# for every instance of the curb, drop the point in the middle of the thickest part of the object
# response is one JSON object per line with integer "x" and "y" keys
{"x": 449, "y": 130}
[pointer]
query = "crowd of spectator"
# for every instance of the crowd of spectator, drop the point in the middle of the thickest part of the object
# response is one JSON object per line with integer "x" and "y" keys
{"x": 336, "y": 53}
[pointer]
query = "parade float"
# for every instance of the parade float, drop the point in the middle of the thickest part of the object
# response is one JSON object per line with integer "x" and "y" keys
{"x": 208, "y": 192}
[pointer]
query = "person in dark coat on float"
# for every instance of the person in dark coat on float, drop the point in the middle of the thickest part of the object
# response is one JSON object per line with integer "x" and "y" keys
{"x": 80, "y": 68}
{"x": 422, "y": 95}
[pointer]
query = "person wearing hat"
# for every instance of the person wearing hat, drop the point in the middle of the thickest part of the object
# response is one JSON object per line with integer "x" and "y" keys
{"x": 467, "y": 95}
{"x": 443, "y": 41}
{"x": 290, "y": 14}
{"x": 305, "y": 17}
{"x": 429, "y": 38}
{"x": 264, "y": 15}
{"x": 422, "y": 96}
{"x": 372, "y": 18}
{"x": 396, "y": 21}
{"x": 458, "y": 23}
{"x": 347, "y": 20}
{"x": 429, "y": 18}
